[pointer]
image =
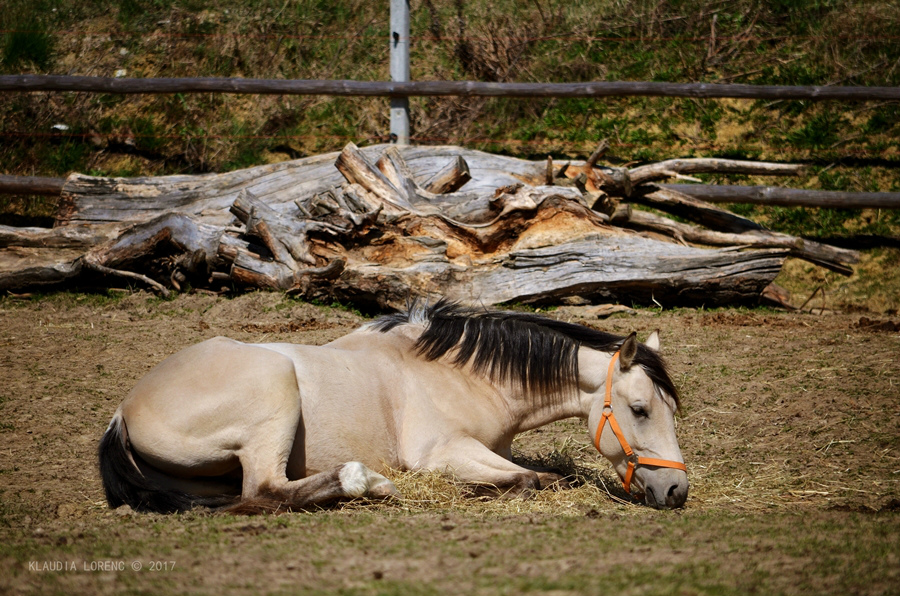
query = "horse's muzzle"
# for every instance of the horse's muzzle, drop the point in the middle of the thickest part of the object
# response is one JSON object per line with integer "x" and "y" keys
{"x": 670, "y": 494}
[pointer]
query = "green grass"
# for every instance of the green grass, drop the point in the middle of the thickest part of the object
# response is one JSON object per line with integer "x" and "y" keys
{"x": 384, "y": 553}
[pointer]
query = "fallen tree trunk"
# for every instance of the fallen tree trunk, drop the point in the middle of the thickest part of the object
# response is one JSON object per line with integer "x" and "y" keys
{"x": 602, "y": 269}
{"x": 380, "y": 223}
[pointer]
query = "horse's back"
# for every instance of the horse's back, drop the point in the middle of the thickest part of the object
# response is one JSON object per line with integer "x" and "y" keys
{"x": 192, "y": 412}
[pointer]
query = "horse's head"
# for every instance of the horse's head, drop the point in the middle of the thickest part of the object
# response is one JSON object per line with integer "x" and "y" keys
{"x": 632, "y": 419}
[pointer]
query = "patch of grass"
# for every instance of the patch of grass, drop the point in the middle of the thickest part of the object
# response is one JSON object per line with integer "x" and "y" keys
{"x": 819, "y": 133}
{"x": 27, "y": 42}
{"x": 339, "y": 306}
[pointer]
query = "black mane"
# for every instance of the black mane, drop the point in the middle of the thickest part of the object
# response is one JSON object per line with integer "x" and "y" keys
{"x": 537, "y": 353}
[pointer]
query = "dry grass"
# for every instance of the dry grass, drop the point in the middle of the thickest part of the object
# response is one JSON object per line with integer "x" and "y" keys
{"x": 788, "y": 430}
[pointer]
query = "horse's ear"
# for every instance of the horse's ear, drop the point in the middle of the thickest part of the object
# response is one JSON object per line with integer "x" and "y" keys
{"x": 628, "y": 351}
{"x": 653, "y": 341}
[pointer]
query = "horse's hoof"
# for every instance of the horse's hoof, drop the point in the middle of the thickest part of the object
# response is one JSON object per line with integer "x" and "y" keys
{"x": 359, "y": 481}
{"x": 383, "y": 490}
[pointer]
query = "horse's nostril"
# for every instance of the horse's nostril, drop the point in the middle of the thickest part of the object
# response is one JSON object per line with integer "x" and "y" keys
{"x": 676, "y": 496}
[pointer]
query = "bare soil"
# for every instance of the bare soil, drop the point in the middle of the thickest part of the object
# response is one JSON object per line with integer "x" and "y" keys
{"x": 790, "y": 428}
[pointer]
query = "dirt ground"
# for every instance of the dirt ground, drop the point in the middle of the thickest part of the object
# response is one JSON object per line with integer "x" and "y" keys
{"x": 790, "y": 429}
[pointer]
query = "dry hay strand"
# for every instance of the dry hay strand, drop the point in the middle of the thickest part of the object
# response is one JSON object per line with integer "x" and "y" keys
{"x": 743, "y": 486}
{"x": 591, "y": 492}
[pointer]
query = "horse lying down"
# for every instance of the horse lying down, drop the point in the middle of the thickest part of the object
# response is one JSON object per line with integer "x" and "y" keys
{"x": 227, "y": 424}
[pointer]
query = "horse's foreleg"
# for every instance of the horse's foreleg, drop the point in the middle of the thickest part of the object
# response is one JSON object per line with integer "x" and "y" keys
{"x": 471, "y": 461}
{"x": 547, "y": 477}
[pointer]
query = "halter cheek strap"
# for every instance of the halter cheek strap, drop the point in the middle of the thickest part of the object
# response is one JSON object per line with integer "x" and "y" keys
{"x": 633, "y": 460}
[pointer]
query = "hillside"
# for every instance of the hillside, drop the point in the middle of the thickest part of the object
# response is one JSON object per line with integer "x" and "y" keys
{"x": 847, "y": 146}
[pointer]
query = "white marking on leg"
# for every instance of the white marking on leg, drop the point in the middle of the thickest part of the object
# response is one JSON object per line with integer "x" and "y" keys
{"x": 354, "y": 479}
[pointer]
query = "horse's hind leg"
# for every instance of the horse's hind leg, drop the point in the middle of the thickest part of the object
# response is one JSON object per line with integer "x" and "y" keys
{"x": 266, "y": 485}
{"x": 349, "y": 480}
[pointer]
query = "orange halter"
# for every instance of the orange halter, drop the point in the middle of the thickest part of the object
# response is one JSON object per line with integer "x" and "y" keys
{"x": 633, "y": 460}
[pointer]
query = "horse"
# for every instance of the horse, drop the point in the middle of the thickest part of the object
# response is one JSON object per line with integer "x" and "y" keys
{"x": 442, "y": 387}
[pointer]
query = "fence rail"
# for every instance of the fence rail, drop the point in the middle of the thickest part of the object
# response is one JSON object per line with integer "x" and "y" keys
{"x": 26, "y": 83}
{"x": 758, "y": 195}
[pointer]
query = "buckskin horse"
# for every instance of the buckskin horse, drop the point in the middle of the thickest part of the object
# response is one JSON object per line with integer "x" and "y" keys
{"x": 437, "y": 387}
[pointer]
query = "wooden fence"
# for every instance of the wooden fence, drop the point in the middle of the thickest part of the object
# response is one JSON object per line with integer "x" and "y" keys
{"x": 758, "y": 195}
{"x": 25, "y": 83}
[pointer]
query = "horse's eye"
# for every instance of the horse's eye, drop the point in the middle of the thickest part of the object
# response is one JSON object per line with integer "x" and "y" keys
{"x": 640, "y": 412}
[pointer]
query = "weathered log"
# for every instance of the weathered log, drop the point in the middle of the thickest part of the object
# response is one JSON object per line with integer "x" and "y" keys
{"x": 193, "y": 245}
{"x": 190, "y": 245}
{"x": 830, "y": 257}
{"x": 287, "y": 241}
{"x": 286, "y": 238}
{"x": 517, "y": 256}
{"x": 622, "y": 181}
{"x": 81, "y": 236}
{"x": 601, "y": 269}
{"x": 348, "y": 229}
{"x": 91, "y": 200}
{"x": 396, "y": 170}
{"x": 251, "y": 271}
{"x": 230, "y": 246}
{"x": 31, "y": 267}
{"x": 693, "y": 209}
{"x": 673, "y": 168}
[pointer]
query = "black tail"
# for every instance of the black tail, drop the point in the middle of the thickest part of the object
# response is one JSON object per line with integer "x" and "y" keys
{"x": 125, "y": 485}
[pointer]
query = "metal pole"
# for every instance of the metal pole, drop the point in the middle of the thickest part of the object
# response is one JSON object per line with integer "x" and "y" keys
{"x": 400, "y": 70}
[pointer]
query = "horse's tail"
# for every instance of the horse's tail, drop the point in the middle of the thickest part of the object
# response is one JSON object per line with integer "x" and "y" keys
{"x": 124, "y": 483}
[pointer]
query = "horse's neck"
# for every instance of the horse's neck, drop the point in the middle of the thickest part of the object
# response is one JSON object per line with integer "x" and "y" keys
{"x": 529, "y": 412}
{"x": 533, "y": 412}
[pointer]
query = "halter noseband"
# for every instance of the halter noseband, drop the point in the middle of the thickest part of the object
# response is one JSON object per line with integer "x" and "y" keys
{"x": 633, "y": 460}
